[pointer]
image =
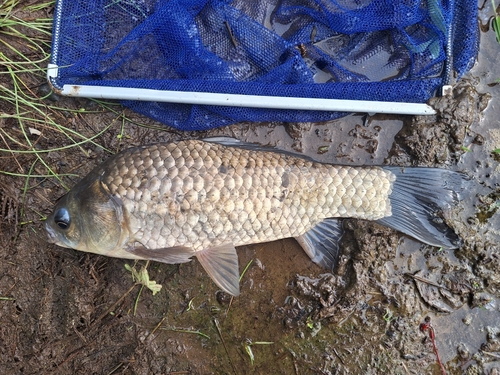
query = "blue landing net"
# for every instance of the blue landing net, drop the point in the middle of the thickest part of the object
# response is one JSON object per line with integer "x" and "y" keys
{"x": 376, "y": 50}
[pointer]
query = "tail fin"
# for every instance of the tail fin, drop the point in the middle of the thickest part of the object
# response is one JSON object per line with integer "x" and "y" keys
{"x": 419, "y": 195}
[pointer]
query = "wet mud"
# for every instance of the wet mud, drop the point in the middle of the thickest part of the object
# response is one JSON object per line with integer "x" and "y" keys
{"x": 67, "y": 312}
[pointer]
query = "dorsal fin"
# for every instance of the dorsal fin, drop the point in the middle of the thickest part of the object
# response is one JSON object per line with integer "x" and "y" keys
{"x": 233, "y": 142}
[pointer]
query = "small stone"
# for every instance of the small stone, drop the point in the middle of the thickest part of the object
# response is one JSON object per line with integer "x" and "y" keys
{"x": 463, "y": 352}
{"x": 467, "y": 319}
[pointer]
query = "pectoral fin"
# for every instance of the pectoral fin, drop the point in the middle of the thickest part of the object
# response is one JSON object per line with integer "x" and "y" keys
{"x": 321, "y": 243}
{"x": 170, "y": 255}
{"x": 221, "y": 263}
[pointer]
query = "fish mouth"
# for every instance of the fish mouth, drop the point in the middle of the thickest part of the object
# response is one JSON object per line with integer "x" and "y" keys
{"x": 51, "y": 236}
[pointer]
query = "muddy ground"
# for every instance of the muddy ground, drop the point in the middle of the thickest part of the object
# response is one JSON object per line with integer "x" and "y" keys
{"x": 67, "y": 312}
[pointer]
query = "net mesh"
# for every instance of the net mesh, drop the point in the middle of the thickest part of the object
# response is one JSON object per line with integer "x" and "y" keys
{"x": 390, "y": 50}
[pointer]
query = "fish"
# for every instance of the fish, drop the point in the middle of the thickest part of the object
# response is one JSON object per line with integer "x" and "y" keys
{"x": 170, "y": 202}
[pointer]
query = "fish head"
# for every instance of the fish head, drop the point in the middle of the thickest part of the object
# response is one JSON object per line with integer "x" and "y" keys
{"x": 88, "y": 218}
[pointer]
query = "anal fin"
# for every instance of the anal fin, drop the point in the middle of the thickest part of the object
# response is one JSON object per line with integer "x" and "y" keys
{"x": 321, "y": 243}
{"x": 221, "y": 263}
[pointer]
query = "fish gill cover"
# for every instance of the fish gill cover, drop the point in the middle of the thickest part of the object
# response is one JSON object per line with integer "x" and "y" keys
{"x": 381, "y": 50}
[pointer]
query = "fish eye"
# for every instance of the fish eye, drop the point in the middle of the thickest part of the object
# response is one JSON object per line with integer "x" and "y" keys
{"x": 62, "y": 219}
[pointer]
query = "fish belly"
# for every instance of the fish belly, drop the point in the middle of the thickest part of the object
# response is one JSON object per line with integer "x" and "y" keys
{"x": 201, "y": 195}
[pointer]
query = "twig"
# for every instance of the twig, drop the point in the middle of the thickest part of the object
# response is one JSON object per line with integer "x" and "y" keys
{"x": 156, "y": 328}
{"x": 115, "y": 304}
{"x": 116, "y": 368}
{"x": 72, "y": 355}
{"x": 338, "y": 355}
{"x": 216, "y": 322}
{"x": 423, "y": 280}
{"x": 294, "y": 361}
{"x": 494, "y": 355}
{"x": 231, "y": 35}
{"x": 13, "y": 155}
{"x": 228, "y": 307}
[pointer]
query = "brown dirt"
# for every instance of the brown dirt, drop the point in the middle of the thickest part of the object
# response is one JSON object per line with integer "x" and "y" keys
{"x": 67, "y": 312}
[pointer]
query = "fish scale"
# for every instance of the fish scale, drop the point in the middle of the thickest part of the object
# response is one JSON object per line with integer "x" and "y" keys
{"x": 208, "y": 194}
{"x": 171, "y": 201}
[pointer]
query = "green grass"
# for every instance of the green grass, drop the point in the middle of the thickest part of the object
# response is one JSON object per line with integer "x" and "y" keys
{"x": 33, "y": 124}
{"x": 496, "y": 21}
{"x": 36, "y": 128}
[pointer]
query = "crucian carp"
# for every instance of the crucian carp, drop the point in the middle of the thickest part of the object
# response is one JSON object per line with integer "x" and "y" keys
{"x": 169, "y": 202}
